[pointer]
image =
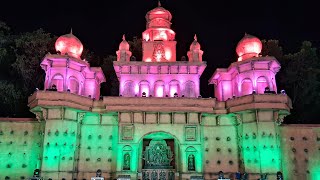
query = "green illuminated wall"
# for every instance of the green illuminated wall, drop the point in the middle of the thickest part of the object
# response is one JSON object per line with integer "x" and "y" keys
{"x": 300, "y": 151}
{"x": 60, "y": 144}
{"x": 70, "y": 144}
{"x": 20, "y": 148}
{"x": 259, "y": 142}
{"x": 220, "y": 145}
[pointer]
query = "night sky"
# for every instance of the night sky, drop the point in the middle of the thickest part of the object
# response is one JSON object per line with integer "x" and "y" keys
{"x": 219, "y": 25}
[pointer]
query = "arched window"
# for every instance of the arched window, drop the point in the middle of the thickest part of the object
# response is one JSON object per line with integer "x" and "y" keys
{"x": 144, "y": 88}
{"x": 174, "y": 88}
{"x": 191, "y": 153}
{"x": 126, "y": 152}
{"x": 189, "y": 90}
{"x": 73, "y": 85}
{"x": 246, "y": 86}
{"x": 159, "y": 89}
{"x": 57, "y": 80}
{"x": 128, "y": 89}
{"x": 262, "y": 83}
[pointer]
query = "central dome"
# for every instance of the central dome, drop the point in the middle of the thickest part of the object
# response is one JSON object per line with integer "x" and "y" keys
{"x": 69, "y": 44}
{"x": 158, "y": 12}
{"x": 249, "y": 46}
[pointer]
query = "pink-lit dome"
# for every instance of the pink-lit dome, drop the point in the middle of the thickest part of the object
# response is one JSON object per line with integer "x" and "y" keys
{"x": 249, "y": 46}
{"x": 158, "y": 12}
{"x": 195, "y": 45}
{"x": 124, "y": 45}
{"x": 70, "y": 45}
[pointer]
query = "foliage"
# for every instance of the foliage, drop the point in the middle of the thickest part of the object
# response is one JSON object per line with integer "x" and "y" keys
{"x": 10, "y": 99}
{"x": 136, "y": 48}
{"x": 302, "y": 83}
{"x": 30, "y": 48}
{"x": 111, "y": 87}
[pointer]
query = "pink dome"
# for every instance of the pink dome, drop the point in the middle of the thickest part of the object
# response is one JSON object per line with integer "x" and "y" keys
{"x": 158, "y": 12}
{"x": 195, "y": 45}
{"x": 249, "y": 46}
{"x": 70, "y": 45}
{"x": 124, "y": 45}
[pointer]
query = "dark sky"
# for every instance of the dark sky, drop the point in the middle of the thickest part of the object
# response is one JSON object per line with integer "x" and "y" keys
{"x": 218, "y": 24}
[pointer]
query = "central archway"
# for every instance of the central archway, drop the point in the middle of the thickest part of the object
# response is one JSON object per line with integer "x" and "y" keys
{"x": 159, "y": 155}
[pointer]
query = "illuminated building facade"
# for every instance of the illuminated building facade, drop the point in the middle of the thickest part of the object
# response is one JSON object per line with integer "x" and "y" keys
{"x": 159, "y": 127}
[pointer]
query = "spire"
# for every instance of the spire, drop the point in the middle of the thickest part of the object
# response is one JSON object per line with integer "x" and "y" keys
{"x": 71, "y": 31}
{"x": 159, "y": 3}
{"x": 195, "y": 37}
{"x": 123, "y": 37}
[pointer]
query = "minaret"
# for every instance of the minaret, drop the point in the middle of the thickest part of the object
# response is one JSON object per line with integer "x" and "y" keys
{"x": 195, "y": 53}
{"x": 123, "y": 54}
{"x": 158, "y": 39}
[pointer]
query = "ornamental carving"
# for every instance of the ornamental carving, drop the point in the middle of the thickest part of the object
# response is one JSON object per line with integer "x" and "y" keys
{"x": 191, "y": 133}
{"x": 159, "y": 53}
{"x": 44, "y": 113}
{"x": 157, "y": 155}
{"x": 81, "y": 116}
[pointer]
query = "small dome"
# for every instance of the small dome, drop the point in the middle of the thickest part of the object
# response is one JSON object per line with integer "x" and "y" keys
{"x": 249, "y": 46}
{"x": 195, "y": 45}
{"x": 69, "y": 44}
{"x": 124, "y": 45}
{"x": 158, "y": 12}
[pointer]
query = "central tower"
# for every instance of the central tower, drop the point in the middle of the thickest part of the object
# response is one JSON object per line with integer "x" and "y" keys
{"x": 158, "y": 74}
{"x": 159, "y": 43}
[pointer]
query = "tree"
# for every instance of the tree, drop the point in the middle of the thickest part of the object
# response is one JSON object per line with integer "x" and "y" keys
{"x": 30, "y": 48}
{"x": 136, "y": 47}
{"x": 111, "y": 77}
{"x": 10, "y": 100}
{"x": 301, "y": 80}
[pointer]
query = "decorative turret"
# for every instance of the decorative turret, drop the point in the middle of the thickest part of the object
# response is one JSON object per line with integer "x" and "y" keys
{"x": 249, "y": 46}
{"x": 158, "y": 39}
{"x": 252, "y": 74}
{"x": 66, "y": 72}
{"x": 123, "y": 54}
{"x": 195, "y": 53}
{"x": 70, "y": 45}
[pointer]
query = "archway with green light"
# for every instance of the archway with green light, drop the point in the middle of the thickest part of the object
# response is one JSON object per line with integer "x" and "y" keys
{"x": 159, "y": 155}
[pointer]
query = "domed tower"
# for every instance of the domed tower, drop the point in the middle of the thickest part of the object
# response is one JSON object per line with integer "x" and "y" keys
{"x": 195, "y": 53}
{"x": 123, "y": 54}
{"x": 158, "y": 39}
{"x": 69, "y": 44}
{"x": 67, "y": 72}
{"x": 159, "y": 74}
{"x": 251, "y": 74}
{"x": 249, "y": 46}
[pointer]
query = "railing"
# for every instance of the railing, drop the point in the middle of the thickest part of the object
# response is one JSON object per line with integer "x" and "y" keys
{"x": 158, "y": 174}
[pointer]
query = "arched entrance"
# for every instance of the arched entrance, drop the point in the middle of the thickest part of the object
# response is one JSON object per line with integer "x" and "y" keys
{"x": 159, "y": 156}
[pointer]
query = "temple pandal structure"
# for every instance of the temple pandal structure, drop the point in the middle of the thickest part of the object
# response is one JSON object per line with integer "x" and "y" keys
{"x": 159, "y": 127}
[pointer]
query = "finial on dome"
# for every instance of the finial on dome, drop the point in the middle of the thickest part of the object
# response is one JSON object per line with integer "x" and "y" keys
{"x": 159, "y": 3}
{"x": 195, "y": 37}
{"x": 123, "y": 37}
{"x": 71, "y": 31}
